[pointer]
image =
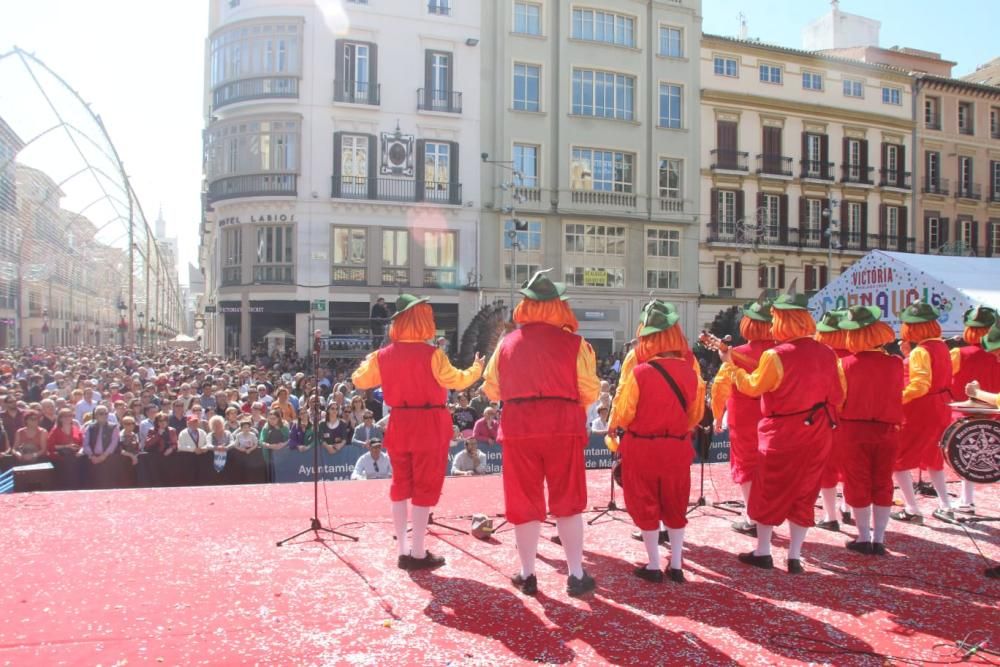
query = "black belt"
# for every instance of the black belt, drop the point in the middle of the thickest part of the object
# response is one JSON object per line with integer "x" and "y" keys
{"x": 868, "y": 421}
{"x": 810, "y": 413}
{"x": 419, "y": 407}
{"x": 657, "y": 436}
{"x": 527, "y": 399}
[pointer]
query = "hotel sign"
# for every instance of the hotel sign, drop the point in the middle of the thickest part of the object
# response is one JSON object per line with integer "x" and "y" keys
{"x": 260, "y": 218}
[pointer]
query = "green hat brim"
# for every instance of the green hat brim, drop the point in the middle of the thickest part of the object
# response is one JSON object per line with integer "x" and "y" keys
{"x": 559, "y": 294}
{"x": 991, "y": 345}
{"x": 415, "y": 302}
{"x": 789, "y": 306}
{"x": 763, "y": 315}
{"x": 650, "y": 329}
{"x": 853, "y": 325}
{"x": 906, "y": 318}
{"x": 978, "y": 324}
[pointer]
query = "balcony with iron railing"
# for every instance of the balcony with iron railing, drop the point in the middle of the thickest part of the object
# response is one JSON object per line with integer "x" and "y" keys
{"x": 440, "y": 277}
{"x": 938, "y": 187}
{"x": 253, "y": 185}
{"x": 774, "y": 165}
{"x": 357, "y": 92}
{"x": 795, "y": 237}
{"x": 894, "y": 178}
{"x": 439, "y": 7}
{"x": 395, "y": 190}
{"x": 348, "y": 275}
{"x": 968, "y": 191}
{"x": 604, "y": 198}
{"x": 257, "y": 88}
{"x": 816, "y": 169}
{"x": 994, "y": 197}
{"x": 395, "y": 276}
{"x": 856, "y": 174}
{"x": 232, "y": 276}
{"x": 932, "y": 122}
{"x": 274, "y": 274}
{"x": 444, "y": 101}
{"x": 731, "y": 160}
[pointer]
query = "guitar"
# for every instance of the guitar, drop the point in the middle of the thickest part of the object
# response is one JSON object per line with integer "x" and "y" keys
{"x": 724, "y": 344}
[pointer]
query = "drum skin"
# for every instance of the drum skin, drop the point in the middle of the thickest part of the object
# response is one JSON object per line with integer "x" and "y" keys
{"x": 972, "y": 449}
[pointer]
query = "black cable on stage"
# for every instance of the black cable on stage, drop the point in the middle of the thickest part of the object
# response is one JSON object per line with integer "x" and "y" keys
{"x": 960, "y": 656}
{"x": 923, "y": 582}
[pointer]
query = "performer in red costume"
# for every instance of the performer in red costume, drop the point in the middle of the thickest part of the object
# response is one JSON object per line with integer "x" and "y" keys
{"x": 415, "y": 377}
{"x": 869, "y": 424}
{"x": 835, "y": 339}
{"x": 800, "y": 383}
{"x": 546, "y": 377}
{"x": 990, "y": 344}
{"x": 973, "y": 363}
{"x": 925, "y": 410}
{"x": 659, "y": 403}
{"x": 743, "y": 411}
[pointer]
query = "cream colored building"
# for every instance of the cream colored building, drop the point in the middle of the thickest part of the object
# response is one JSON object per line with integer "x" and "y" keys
{"x": 595, "y": 108}
{"x": 805, "y": 167}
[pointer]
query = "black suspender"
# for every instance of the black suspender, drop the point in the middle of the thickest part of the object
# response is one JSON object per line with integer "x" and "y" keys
{"x": 673, "y": 385}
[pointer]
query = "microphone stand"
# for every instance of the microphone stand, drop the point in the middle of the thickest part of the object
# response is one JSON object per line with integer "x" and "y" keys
{"x": 315, "y": 525}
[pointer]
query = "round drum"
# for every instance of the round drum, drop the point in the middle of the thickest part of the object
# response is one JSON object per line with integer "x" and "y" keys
{"x": 972, "y": 449}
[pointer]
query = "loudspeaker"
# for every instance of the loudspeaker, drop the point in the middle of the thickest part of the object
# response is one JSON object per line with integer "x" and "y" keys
{"x": 34, "y": 477}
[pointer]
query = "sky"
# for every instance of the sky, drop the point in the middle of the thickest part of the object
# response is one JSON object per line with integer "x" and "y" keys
{"x": 140, "y": 64}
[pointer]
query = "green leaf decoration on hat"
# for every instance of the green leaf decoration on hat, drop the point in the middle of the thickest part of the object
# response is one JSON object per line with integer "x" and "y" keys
{"x": 792, "y": 300}
{"x": 540, "y": 288}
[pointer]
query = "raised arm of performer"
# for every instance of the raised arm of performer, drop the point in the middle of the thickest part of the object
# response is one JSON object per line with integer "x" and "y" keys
{"x": 926, "y": 413}
{"x": 415, "y": 377}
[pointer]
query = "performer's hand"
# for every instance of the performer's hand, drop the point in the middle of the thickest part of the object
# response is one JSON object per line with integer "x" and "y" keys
{"x": 478, "y": 359}
{"x": 726, "y": 356}
{"x": 972, "y": 389}
{"x": 905, "y": 347}
{"x": 718, "y": 426}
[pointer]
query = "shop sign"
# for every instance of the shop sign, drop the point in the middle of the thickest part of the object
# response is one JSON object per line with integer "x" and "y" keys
{"x": 319, "y": 306}
{"x": 259, "y": 218}
{"x": 595, "y": 278}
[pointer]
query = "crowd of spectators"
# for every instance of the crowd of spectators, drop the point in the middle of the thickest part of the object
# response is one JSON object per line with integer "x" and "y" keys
{"x": 117, "y": 417}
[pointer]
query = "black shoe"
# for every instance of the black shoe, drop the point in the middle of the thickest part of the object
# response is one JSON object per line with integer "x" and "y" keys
{"x": 577, "y": 587}
{"x": 846, "y": 518}
{"x": 906, "y": 517}
{"x": 993, "y": 572}
{"x": 664, "y": 537}
{"x": 555, "y": 539}
{"x": 676, "y": 576}
{"x": 795, "y": 566}
{"x": 947, "y": 516}
{"x": 829, "y": 525}
{"x": 745, "y": 527}
{"x": 878, "y": 549}
{"x": 428, "y": 562}
{"x": 403, "y": 562}
{"x": 859, "y": 547}
{"x": 654, "y": 576}
{"x": 528, "y": 586}
{"x": 763, "y": 562}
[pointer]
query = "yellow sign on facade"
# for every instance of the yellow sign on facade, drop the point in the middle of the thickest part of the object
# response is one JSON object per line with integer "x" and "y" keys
{"x": 595, "y": 278}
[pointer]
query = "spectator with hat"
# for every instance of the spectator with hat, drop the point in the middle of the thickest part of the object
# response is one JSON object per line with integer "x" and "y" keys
{"x": 373, "y": 464}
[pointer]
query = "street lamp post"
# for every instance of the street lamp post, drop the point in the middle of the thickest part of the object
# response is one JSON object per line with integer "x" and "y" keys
{"x": 142, "y": 330}
{"x": 152, "y": 333}
{"x": 832, "y": 238}
{"x": 517, "y": 225}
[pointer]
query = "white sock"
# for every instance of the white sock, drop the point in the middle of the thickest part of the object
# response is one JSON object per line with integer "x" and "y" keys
{"x": 526, "y": 536}
{"x": 881, "y": 521}
{"x": 419, "y": 517}
{"x": 829, "y": 503}
{"x": 863, "y": 519}
{"x": 676, "y": 547}
{"x": 797, "y": 535}
{"x": 968, "y": 492}
{"x": 571, "y": 535}
{"x": 663, "y": 526}
{"x": 400, "y": 509}
{"x": 745, "y": 490}
{"x": 650, "y": 538}
{"x": 763, "y": 540}
{"x": 904, "y": 480}
{"x": 937, "y": 480}
{"x": 843, "y": 501}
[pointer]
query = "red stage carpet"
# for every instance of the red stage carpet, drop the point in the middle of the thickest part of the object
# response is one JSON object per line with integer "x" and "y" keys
{"x": 193, "y": 577}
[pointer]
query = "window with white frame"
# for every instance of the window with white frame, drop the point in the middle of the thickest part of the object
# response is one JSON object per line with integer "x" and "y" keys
{"x": 663, "y": 279}
{"x": 933, "y": 169}
{"x": 855, "y": 222}
{"x": 670, "y": 178}
{"x": 525, "y": 159}
{"x": 854, "y": 88}
{"x": 663, "y": 251}
{"x": 600, "y": 26}
{"x": 814, "y": 277}
{"x": 933, "y": 233}
{"x": 522, "y": 272}
{"x": 353, "y": 164}
{"x": 725, "y": 66}
{"x": 892, "y": 95}
{"x": 995, "y": 123}
{"x": 812, "y": 81}
{"x": 814, "y": 155}
{"x": 605, "y": 171}
{"x": 395, "y": 257}
{"x": 437, "y": 169}
{"x": 772, "y": 276}
{"x": 663, "y": 242}
{"x": 261, "y": 49}
{"x": 232, "y": 256}
{"x": 350, "y": 246}
{"x": 932, "y": 113}
{"x": 595, "y": 276}
{"x": 603, "y": 94}
{"x": 357, "y": 59}
{"x": 252, "y": 147}
{"x": 440, "y": 259}
{"x": 671, "y": 41}
{"x": 771, "y": 216}
{"x": 995, "y": 239}
{"x": 591, "y": 239}
{"x": 814, "y": 219}
{"x": 527, "y": 18}
{"x": 770, "y": 73}
{"x": 528, "y": 240}
{"x": 275, "y": 262}
{"x": 727, "y": 212}
{"x": 892, "y": 160}
{"x": 892, "y": 223}
{"x": 526, "y": 87}
{"x": 965, "y": 175}
{"x": 965, "y": 230}
{"x": 966, "y": 118}
{"x": 995, "y": 180}
{"x": 728, "y": 275}
{"x": 671, "y": 104}
{"x": 440, "y": 7}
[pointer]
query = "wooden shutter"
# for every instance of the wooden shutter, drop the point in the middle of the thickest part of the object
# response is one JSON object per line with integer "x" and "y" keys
{"x": 824, "y": 223}
{"x": 713, "y": 223}
{"x": 338, "y": 149}
{"x": 781, "y": 276}
{"x": 824, "y": 155}
{"x": 845, "y": 227}
{"x": 372, "y": 167}
{"x": 783, "y": 220}
{"x": 454, "y": 187}
{"x": 760, "y": 200}
{"x": 901, "y": 165}
{"x": 725, "y": 131}
{"x": 927, "y": 234}
{"x": 762, "y": 276}
{"x": 881, "y": 226}
{"x": 902, "y": 228}
{"x": 772, "y": 142}
{"x": 738, "y": 275}
{"x": 864, "y": 226}
{"x": 419, "y": 184}
{"x": 864, "y": 158}
{"x": 822, "y": 277}
{"x": 885, "y": 161}
{"x": 740, "y": 205}
{"x": 975, "y": 236}
{"x": 991, "y": 233}
{"x": 721, "y": 275}
{"x": 451, "y": 77}
{"x": 802, "y": 220}
{"x": 943, "y": 226}
{"x": 810, "y": 278}
{"x": 338, "y": 64}
{"x": 845, "y": 156}
{"x": 373, "y": 97}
